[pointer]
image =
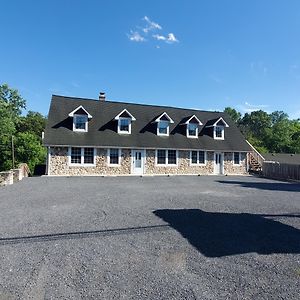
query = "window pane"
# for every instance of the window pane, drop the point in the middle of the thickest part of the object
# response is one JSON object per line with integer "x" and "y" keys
{"x": 80, "y": 122}
{"x": 236, "y": 158}
{"x": 163, "y": 127}
{"x": 88, "y": 155}
{"x": 124, "y": 125}
{"x": 161, "y": 157}
{"x": 172, "y": 157}
{"x": 219, "y": 131}
{"x": 201, "y": 157}
{"x": 75, "y": 155}
{"x": 194, "y": 157}
{"x": 192, "y": 129}
{"x": 114, "y": 156}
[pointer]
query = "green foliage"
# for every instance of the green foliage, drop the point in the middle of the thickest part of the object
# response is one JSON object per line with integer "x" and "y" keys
{"x": 273, "y": 132}
{"x": 24, "y": 131}
{"x": 233, "y": 114}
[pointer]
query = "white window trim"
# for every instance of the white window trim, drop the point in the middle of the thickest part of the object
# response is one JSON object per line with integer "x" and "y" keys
{"x": 191, "y": 136}
{"x": 117, "y": 117}
{"x": 74, "y": 122}
{"x": 240, "y": 160}
{"x": 198, "y": 164}
{"x": 223, "y": 130}
{"x": 81, "y": 164}
{"x": 108, "y": 158}
{"x": 72, "y": 113}
{"x": 167, "y": 163}
{"x": 168, "y": 129}
{"x": 119, "y": 126}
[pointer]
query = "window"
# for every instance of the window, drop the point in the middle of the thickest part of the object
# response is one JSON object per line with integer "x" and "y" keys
{"x": 82, "y": 156}
{"x": 161, "y": 157}
{"x": 219, "y": 132}
{"x": 198, "y": 157}
{"x": 166, "y": 157}
{"x": 80, "y": 122}
{"x": 192, "y": 130}
{"x": 124, "y": 125}
{"x": 163, "y": 128}
{"x": 114, "y": 157}
{"x": 236, "y": 158}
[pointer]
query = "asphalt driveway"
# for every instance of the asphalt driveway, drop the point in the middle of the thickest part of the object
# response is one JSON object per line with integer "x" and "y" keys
{"x": 180, "y": 237}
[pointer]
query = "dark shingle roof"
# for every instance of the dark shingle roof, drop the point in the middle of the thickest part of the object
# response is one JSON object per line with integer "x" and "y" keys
{"x": 283, "y": 158}
{"x": 102, "y": 128}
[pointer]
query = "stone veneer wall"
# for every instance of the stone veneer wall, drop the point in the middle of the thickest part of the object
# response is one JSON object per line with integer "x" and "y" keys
{"x": 230, "y": 168}
{"x": 59, "y": 164}
{"x": 183, "y": 166}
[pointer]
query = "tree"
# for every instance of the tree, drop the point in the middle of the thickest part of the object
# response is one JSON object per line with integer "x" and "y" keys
{"x": 233, "y": 114}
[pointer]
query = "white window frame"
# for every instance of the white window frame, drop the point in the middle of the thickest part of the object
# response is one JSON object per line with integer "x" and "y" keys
{"x": 240, "y": 160}
{"x": 198, "y": 163}
{"x": 168, "y": 128}
{"x": 86, "y": 123}
{"x": 81, "y": 164}
{"x": 215, "y": 129}
{"x": 167, "y": 163}
{"x": 187, "y": 131}
{"x": 119, "y": 158}
{"x": 119, "y": 126}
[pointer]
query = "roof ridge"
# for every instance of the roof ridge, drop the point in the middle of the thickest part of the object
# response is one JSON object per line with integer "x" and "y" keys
{"x": 132, "y": 103}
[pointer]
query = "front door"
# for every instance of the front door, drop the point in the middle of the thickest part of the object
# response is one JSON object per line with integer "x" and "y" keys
{"x": 218, "y": 169}
{"x": 138, "y": 162}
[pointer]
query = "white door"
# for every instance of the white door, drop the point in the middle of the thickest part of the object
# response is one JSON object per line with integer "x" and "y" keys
{"x": 219, "y": 157}
{"x": 138, "y": 162}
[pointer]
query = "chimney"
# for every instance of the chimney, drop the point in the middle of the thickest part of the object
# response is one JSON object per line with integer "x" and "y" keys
{"x": 102, "y": 96}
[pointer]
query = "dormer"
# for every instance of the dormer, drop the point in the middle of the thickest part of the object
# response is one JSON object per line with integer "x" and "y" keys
{"x": 163, "y": 124}
{"x": 124, "y": 119}
{"x": 192, "y": 127}
{"x": 218, "y": 126}
{"x": 80, "y": 119}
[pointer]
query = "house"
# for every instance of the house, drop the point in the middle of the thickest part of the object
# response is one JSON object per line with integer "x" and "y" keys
{"x": 99, "y": 137}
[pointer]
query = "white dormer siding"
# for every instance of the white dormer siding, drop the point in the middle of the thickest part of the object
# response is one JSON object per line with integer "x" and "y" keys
{"x": 124, "y": 119}
{"x": 80, "y": 119}
{"x": 192, "y": 127}
{"x": 219, "y": 129}
{"x": 163, "y": 124}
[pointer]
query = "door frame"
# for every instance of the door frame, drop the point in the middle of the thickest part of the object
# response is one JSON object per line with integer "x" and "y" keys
{"x": 219, "y": 171}
{"x": 143, "y": 157}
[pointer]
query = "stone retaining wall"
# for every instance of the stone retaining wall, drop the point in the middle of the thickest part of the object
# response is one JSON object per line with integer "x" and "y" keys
{"x": 14, "y": 175}
{"x": 6, "y": 178}
{"x": 59, "y": 164}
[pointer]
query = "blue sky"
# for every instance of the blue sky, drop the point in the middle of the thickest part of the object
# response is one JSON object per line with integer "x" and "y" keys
{"x": 195, "y": 54}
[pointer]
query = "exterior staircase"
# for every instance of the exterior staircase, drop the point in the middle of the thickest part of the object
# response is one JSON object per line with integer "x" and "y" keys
{"x": 255, "y": 160}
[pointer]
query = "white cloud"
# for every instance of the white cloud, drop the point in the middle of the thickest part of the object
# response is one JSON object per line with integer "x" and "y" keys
{"x": 159, "y": 37}
{"x": 249, "y": 108}
{"x": 150, "y": 25}
{"x": 135, "y": 36}
{"x": 171, "y": 38}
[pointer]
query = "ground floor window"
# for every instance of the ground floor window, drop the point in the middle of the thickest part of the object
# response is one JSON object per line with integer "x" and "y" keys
{"x": 198, "y": 157}
{"x": 236, "y": 158}
{"x": 166, "y": 157}
{"x": 82, "y": 156}
{"x": 113, "y": 157}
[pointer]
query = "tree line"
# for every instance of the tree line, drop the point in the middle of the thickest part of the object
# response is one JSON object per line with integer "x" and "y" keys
{"x": 268, "y": 132}
{"x": 21, "y": 135}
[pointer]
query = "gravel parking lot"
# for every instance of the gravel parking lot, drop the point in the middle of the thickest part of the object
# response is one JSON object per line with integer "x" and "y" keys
{"x": 181, "y": 237}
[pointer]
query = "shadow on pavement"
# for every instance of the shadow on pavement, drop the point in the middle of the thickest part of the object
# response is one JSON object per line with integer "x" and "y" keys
{"x": 271, "y": 186}
{"x": 221, "y": 234}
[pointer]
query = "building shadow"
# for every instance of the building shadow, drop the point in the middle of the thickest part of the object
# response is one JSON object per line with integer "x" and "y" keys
{"x": 271, "y": 186}
{"x": 221, "y": 234}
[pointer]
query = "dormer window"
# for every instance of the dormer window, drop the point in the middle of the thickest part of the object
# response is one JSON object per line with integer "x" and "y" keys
{"x": 163, "y": 124}
{"x": 218, "y": 126}
{"x": 124, "y": 119}
{"x": 80, "y": 119}
{"x": 80, "y": 123}
{"x": 192, "y": 127}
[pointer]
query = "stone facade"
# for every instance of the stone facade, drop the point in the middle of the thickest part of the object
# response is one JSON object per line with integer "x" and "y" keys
{"x": 59, "y": 164}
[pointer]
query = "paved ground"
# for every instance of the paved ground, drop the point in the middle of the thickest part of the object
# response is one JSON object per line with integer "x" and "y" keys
{"x": 150, "y": 238}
